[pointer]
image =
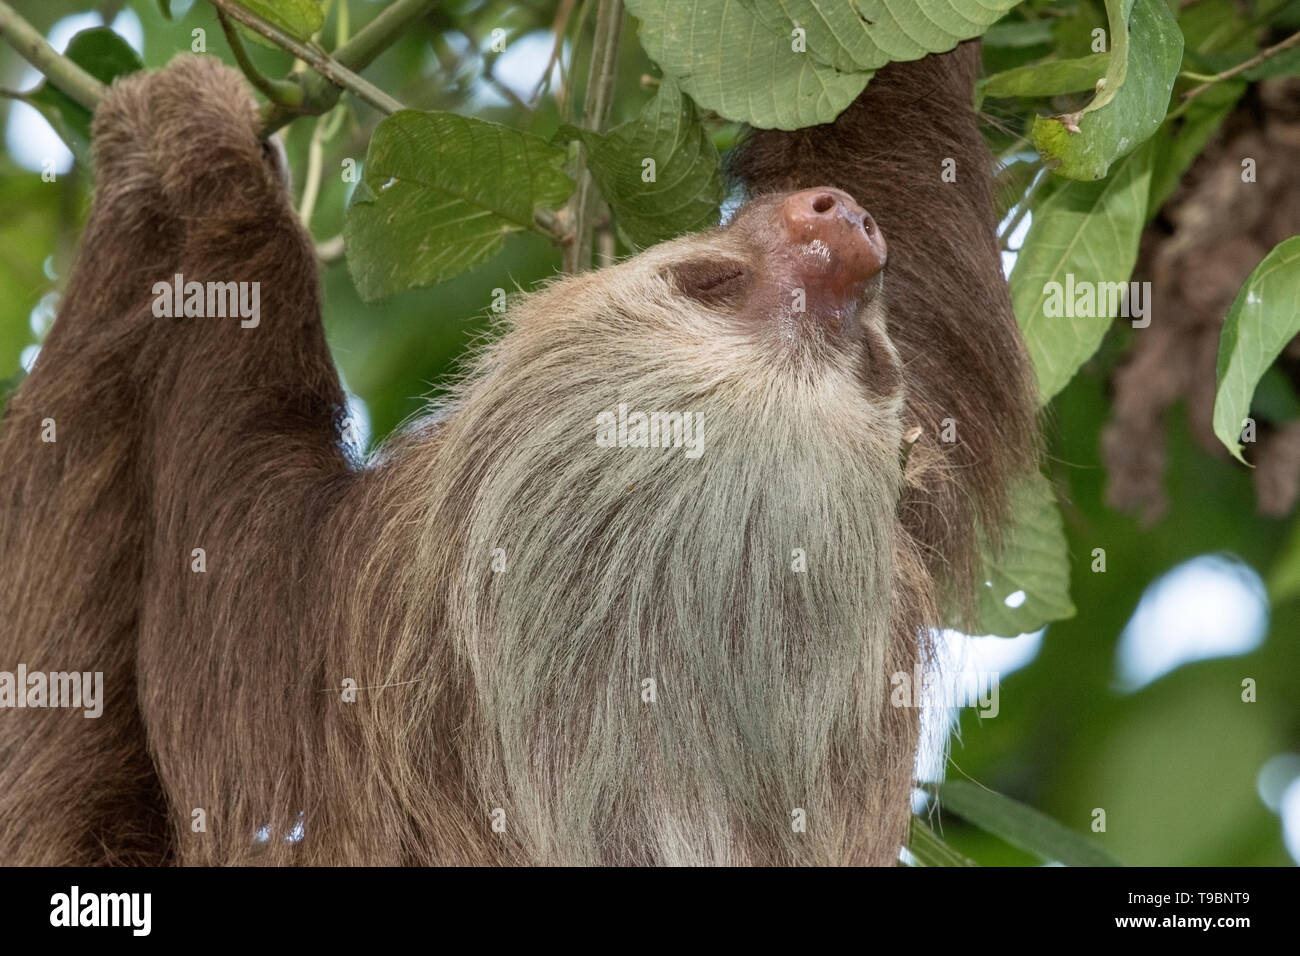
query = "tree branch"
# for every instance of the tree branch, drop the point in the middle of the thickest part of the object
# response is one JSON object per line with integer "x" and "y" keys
{"x": 320, "y": 94}
{"x": 62, "y": 72}
{"x": 600, "y": 94}
{"x": 1240, "y": 68}
{"x": 280, "y": 92}
{"x": 320, "y": 90}
{"x": 318, "y": 60}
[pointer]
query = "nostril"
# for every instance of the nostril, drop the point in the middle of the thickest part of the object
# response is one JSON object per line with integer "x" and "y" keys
{"x": 823, "y": 203}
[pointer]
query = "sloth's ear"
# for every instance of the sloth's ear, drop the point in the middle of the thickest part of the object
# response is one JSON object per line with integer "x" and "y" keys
{"x": 718, "y": 283}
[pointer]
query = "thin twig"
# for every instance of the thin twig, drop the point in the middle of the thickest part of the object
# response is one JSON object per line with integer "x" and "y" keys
{"x": 318, "y": 60}
{"x": 356, "y": 54}
{"x": 559, "y": 27}
{"x": 600, "y": 94}
{"x": 284, "y": 93}
{"x": 315, "y": 163}
{"x": 62, "y": 72}
{"x": 330, "y": 251}
{"x": 1240, "y": 68}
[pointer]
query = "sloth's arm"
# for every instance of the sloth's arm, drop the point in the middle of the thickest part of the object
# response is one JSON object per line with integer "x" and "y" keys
{"x": 241, "y": 464}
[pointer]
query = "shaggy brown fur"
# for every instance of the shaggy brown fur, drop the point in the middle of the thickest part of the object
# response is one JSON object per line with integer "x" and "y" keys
{"x": 487, "y": 695}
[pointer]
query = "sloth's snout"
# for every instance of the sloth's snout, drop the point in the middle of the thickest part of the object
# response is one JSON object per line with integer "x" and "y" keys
{"x": 833, "y": 227}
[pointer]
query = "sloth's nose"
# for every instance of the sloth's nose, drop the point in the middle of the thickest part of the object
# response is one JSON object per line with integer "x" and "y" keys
{"x": 832, "y": 225}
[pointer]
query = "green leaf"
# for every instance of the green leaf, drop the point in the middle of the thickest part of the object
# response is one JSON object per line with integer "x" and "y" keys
{"x": 1032, "y": 570}
{"x": 687, "y": 187}
{"x": 1051, "y": 78}
{"x": 1264, "y": 317}
{"x": 1089, "y": 231}
{"x": 301, "y": 18}
{"x": 929, "y": 849}
{"x": 1132, "y": 102}
{"x": 731, "y": 62}
{"x": 1018, "y": 33}
{"x": 1022, "y": 826}
{"x": 440, "y": 194}
{"x": 28, "y": 226}
{"x": 104, "y": 55}
{"x": 867, "y": 34}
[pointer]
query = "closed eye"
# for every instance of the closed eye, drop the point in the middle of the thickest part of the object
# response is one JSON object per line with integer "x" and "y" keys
{"x": 719, "y": 283}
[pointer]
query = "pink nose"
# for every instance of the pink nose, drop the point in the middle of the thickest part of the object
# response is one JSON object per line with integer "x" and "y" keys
{"x": 830, "y": 220}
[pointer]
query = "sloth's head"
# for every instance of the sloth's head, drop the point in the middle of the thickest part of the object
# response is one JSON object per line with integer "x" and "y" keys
{"x": 792, "y": 270}
{"x": 771, "y": 328}
{"x": 789, "y": 294}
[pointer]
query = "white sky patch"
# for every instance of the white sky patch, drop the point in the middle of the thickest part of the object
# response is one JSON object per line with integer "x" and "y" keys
{"x": 966, "y": 654}
{"x": 27, "y": 357}
{"x": 31, "y": 141}
{"x": 1291, "y": 819}
{"x": 520, "y": 67}
{"x": 1014, "y": 241}
{"x": 42, "y": 315}
{"x": 1278, "y": 773}
{"x": 359, "y": 417}
{"x": 1210, "y": 606}
{"x": 1017, "y": 237}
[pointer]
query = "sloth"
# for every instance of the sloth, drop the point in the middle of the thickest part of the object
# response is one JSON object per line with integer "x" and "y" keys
{"x": 631, "y": 595}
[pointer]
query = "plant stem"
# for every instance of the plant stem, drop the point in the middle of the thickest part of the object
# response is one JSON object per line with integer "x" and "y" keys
{"x": 321, "y": 94}
{"x": 1240, "y": 68}
{"x": 315, "y": 162}
{"x": 329, "y": 68}
{"x": 59, "y": 70}
{"x": 600, "y": 94}
{"x": 561, "y": 25}
{"x": 280, "y": 92}
{"x": 378, "y": 35}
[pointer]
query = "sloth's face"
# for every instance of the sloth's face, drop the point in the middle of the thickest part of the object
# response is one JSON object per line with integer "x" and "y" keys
{"x": 795, "y": 265}
{"x": 791, "y": 290}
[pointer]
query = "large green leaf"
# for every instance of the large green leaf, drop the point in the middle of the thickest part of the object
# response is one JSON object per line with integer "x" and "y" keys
{"x": 686, "y": 187}
{"x": 1089, "y": 231}
{"x": 104, "y": 55}
{"x": 1022, "y": 825}
{"x": 1131, "y": 103}
{"x": 733, "y": 63}
{"x": 1027, "y": 584}
{"x": 1264, "y": 317}
{"x": 440, "y": 194}
{"x": 867, "y": 34}
{"x": 1050, "y": 78}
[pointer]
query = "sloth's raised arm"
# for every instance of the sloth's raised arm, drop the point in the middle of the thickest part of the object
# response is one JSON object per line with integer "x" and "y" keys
{"x": 73, "y": 519}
